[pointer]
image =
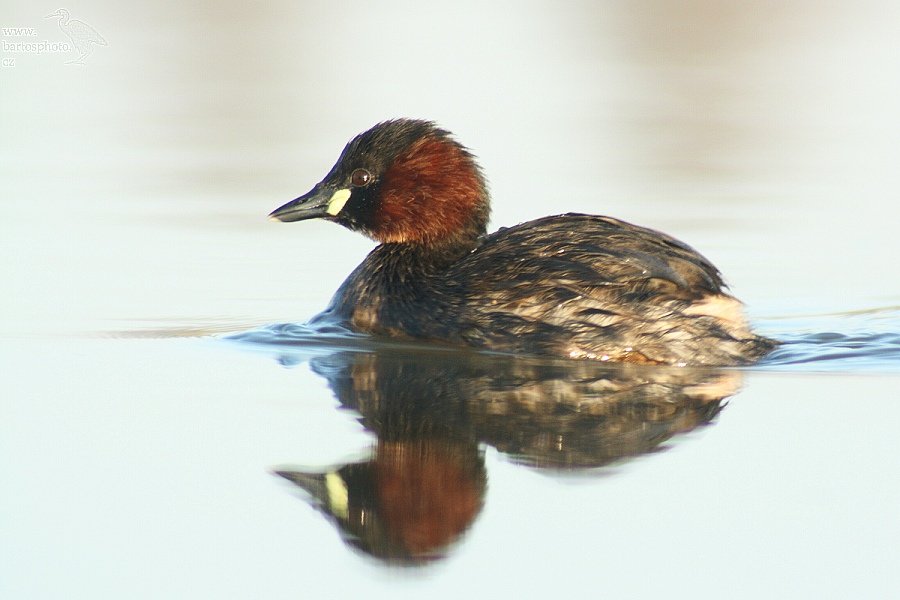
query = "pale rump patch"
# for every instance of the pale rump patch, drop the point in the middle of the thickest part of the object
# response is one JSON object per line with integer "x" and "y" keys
{"x": 725, "y": 308}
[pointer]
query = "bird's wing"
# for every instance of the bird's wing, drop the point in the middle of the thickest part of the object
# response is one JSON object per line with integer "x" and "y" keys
{"x": 580, "y": 252}
{"x": 83, "y": 31}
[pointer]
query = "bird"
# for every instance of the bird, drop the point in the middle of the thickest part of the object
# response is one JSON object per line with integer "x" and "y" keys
{"x": 566, "y": 286}
{"x": 83, "y": 36}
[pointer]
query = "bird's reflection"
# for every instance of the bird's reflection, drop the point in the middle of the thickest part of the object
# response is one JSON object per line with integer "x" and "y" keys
{"x": 434, "y": 412}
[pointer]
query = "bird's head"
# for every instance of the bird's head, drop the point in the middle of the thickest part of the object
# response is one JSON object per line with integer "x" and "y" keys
{"x": 402, "y": 181}
{"x": 60, "y": 13}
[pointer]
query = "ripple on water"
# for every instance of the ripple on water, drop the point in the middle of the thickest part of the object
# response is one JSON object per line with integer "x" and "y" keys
{"x": 862, "y": 341}
{"x": 296, "y": 342}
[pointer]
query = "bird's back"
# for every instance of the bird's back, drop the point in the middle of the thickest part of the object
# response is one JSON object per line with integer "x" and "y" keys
{"x": 81, "y": 31}
{"x": 595, "y": 287}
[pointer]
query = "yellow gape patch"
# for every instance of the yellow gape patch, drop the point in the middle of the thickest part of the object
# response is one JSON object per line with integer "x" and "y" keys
{"x": 338, "y": 494}
{"x": 337, "y": 202}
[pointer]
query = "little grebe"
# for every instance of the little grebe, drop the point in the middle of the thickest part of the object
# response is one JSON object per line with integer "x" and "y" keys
{"x": 573, "y": 285}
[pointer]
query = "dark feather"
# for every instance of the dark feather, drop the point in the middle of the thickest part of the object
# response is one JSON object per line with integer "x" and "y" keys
{"x": 573, "y": 285}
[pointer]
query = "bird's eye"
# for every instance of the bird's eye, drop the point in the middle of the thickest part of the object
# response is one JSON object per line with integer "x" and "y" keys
{"x": 360, "y": 177}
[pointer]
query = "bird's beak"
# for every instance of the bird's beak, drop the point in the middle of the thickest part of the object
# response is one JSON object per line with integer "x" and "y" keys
{"x": 56, "y": 14}
{"x": 321, "y": 201}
